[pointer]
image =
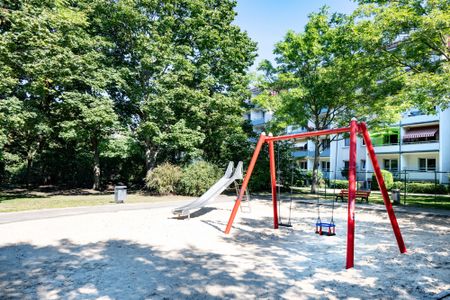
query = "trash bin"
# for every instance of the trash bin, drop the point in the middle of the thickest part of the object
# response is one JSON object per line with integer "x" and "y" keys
{"x": 120, "y": 193}
{"x": 395, "y": 195}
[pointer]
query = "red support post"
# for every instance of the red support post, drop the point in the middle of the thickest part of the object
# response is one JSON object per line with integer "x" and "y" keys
{"x": 248, "y": 174}
{"x": 382, "y": 185}
{"x": 273, "y": 183}
{"x": 351, "y": 196}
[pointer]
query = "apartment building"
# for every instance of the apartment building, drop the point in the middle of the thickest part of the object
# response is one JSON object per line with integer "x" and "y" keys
{"x": 417, "y": 148}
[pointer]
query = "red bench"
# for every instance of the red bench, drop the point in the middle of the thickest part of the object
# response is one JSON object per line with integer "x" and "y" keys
{"x": 359, "y": 194}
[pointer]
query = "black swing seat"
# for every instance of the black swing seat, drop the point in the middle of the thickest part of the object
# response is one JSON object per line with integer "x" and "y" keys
{"x": 331, "y": 228}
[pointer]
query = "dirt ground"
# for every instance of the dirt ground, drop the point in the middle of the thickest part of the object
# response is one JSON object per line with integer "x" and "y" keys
{"x": 147, "y": 254}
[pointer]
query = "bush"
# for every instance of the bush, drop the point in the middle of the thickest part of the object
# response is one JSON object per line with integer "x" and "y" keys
{"x": 399, "y": 185}
{"x": 198, "y": 177}
{"x": 426, "y": 188}
{"x": 339, "y": 184}
{"x": 388, "y": 180}
{"x": 164, "y": 179}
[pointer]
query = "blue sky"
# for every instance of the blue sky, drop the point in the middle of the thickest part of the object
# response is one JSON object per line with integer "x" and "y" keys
{"x": 267, "y": 21}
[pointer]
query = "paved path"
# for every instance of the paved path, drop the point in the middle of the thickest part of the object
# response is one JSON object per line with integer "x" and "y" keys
{"x": 11, "y": 217}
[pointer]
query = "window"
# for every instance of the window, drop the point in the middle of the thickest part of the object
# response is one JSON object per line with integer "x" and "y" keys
{"x": 391, "y": 164}
{"x": 347, "y": 141}
{"x": 391, "y": 139}
{"x": 427, "y": 164}
{"x": 326, "y": 143}
{"x": 346, "y": 164}
{"x": 304, "y": 147}
{"x": 363, "y": 164}
{"x": 325, "y": 166}
{"x": 363, "y": 142}
{"x": 303, "y": 165}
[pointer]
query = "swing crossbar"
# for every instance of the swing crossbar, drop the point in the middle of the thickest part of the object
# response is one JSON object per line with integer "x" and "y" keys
{"x": 307, "y": 134}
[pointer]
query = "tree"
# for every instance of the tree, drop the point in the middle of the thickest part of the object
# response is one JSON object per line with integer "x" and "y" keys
{"x": 57, "y": 79}
{"x": 323, "y": 79}
{"x": 184, "y": 69}
{"x": 165, "y": 80}
{"x": 413, "y": 35}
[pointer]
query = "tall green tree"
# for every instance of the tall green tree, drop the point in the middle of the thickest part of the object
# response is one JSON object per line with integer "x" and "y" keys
{"x": 323, "y": 79}
{"x": 413, "y": 35}
{"x": 184, "y": 67}
{"x": 57, "y": 78}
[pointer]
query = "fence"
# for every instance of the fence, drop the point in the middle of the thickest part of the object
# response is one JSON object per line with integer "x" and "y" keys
{"x": 414, "y": 185}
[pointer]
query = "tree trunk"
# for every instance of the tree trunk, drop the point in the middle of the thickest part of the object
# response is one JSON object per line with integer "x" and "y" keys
{"x": 315, "y": 174}
{"x": 29, "y": 166}
{"x": 96, "y": 165}
{"x": 30, "y": 158}
{"x": 150, "y": 157}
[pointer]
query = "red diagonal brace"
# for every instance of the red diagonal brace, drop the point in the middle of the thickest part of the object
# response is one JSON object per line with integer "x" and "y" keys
{"x": 382, "y": 185}
{"x": 248, "y": 174}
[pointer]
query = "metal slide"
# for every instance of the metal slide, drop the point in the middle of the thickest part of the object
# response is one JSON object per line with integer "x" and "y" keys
{"x": 214, "y": 191}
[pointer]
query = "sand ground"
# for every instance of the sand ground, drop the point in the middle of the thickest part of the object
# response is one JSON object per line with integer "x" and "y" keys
{"x": 146, "y": 254}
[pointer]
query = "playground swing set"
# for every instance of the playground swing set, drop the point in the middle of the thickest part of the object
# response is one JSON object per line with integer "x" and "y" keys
{"x": 320, "y": 225}
{"x": 354, "y": 129}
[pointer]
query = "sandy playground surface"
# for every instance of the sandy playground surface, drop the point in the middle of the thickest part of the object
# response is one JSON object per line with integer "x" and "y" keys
{"x": 146, "y": 254}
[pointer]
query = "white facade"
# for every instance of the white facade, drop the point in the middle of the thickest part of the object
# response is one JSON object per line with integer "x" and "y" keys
{"x": 422, "y": 159}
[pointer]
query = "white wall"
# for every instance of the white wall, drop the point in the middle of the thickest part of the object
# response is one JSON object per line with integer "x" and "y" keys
{"x": 256, "y": 114}
{"x": 444, "y": 144}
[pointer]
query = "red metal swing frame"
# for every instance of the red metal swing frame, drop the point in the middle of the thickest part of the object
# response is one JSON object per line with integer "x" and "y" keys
{"x": 353, "y": 129}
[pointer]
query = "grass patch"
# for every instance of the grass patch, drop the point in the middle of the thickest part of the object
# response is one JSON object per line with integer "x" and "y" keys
{"x": 438, "y": 201}
{"x": 10, "y": 202}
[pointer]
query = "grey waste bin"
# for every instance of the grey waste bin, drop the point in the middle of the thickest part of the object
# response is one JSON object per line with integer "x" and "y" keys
{"x": 395, "y": 195}
{"x": 120, "y": 193}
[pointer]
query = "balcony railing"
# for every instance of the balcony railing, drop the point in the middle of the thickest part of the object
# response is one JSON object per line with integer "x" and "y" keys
{"x": 303, "y": 153}
{"x": 260, "y": 121}
{"x": 385, "y": 144}
{"x": 419, "y": 142}
{"x": 407, "y": 143}
{"x": 298, "y": 130}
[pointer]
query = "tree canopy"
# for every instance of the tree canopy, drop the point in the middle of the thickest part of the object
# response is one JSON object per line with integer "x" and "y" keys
{"x": 413, "y": 35}
{"x": 86, "y": 80}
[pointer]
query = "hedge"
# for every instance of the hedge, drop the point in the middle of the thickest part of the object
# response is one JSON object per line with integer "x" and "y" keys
{"x": 388, "y": 180}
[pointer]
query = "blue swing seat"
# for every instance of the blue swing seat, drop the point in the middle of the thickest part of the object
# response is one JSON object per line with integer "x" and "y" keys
{"x": 331, "y": 228}
{"x": 326, "y": 225}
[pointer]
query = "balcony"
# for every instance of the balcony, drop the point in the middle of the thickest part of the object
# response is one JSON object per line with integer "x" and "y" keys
{"x": 386, "y": 148}
{"x": 420, "y": 146}
{"x": 303, "y": 153}
{"x": 257, "y": 122}
{"x": 416, "y": 117}
{"x": 297, "y": 130}
{"x": 325, "y": 153}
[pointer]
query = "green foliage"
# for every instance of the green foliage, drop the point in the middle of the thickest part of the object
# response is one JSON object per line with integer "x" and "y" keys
{"x": 411, "y": 37}
{"x": 399, "y": 185}
{"x": 198, "y": 177}
{"x": 164, "y": 179}
{"x": 388, "y": 180}
{"x": 185, "y": 79}
{"x": 339, "y": 184}
{"x": 420, "y": 187}
{"x": 302, "y": 178}
{"x": 322, "y": 78}
{"x": 83, "y": 94}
